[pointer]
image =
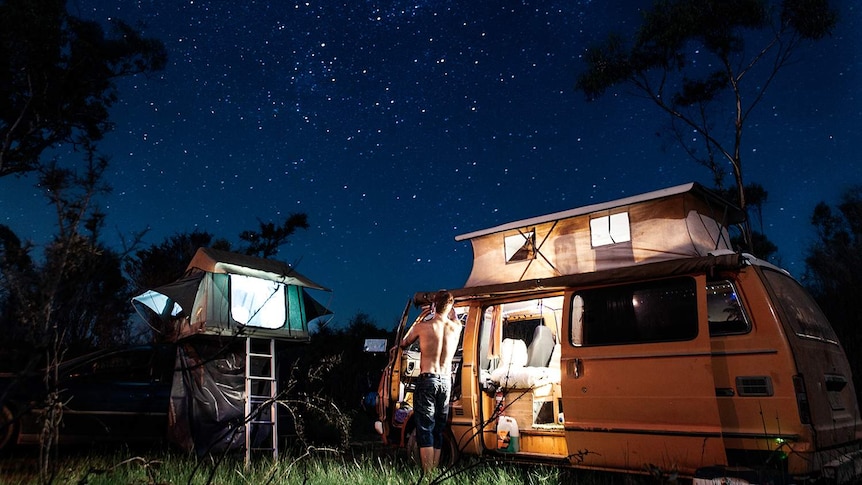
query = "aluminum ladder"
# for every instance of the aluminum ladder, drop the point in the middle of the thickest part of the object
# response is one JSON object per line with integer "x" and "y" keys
{"x": 261, "y": 389}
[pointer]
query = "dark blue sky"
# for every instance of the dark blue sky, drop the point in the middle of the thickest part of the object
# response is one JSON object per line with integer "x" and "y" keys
{"x": 398, "y": 125}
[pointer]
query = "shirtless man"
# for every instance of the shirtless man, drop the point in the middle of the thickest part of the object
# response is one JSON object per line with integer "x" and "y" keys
{"x": 438, "y": 338}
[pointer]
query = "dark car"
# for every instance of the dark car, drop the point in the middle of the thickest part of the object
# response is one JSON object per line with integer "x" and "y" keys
{"x": 118, "y": 395}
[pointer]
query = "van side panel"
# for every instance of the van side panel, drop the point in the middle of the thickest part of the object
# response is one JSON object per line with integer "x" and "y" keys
{"x": 754, "y": 383}
{"x": 636, "y": 406}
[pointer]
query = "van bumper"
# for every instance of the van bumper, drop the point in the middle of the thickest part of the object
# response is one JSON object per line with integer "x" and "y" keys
{"x": 724, "y": 475}
{"x": 846, "y": 468}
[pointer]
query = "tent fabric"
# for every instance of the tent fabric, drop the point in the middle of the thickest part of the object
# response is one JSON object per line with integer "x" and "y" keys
{"x": 207, "y": 406}
{"x": 313, "y": 308}
{"x": 166, "y": 307}
{"x": 216, "y": 261}
{"x": 200, "y": 302}
{"x": 680, "y": 222}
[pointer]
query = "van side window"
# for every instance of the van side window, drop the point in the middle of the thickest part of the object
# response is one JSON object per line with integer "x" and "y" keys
{"x": 799, "y": 309}
{"x": 725, "y": 313}
{"x": 657, "y": 311}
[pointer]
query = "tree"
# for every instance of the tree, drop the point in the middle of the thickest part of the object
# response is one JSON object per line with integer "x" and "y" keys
{"x": 757, "y": 243}
{"x": 833, "y": 271}
{"x": 73, "y": 299}
{"x": 265, "y": 243}
{"x": 57, "y": 76}
{"x": 665, "y": 63}
{"x": 358, "y": 372}
{"x": 77, "y": 289}
{"x": 166, "y": 262}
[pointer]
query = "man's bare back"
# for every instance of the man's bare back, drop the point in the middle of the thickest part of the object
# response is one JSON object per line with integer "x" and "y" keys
{"x": 438, "y": 339}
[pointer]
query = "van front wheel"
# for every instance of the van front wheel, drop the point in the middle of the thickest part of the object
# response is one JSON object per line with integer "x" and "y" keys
{"x": 448, "y": 453}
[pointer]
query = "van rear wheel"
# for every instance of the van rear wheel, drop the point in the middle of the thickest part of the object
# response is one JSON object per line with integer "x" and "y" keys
{"x": 448, "y": 453}
{"x": 8, "y": 428}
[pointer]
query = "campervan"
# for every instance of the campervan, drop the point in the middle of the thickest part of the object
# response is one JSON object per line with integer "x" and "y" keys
{"x": 629, "y": 336}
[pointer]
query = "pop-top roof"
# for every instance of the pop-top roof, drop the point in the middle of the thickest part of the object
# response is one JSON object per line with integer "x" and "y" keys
{"x": 672, "y": 223}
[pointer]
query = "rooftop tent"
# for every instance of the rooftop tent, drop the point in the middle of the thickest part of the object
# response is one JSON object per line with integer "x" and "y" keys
{"x": 677, "y": 222}
{"x": 226, "y": 293}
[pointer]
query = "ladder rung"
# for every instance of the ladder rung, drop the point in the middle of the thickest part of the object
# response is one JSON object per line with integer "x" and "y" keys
{"x": 261, "y": 407}
{"x": 261, "y": 378}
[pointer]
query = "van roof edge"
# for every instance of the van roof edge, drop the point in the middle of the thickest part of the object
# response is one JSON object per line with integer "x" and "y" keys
{"x": 578, "y": 211}
{"x": 617, "y": 275}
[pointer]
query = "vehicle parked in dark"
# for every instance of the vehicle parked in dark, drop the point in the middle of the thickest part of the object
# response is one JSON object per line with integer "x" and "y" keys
{"x": 117, "y": 395}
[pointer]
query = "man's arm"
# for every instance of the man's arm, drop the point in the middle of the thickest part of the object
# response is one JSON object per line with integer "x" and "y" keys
{"x": 411, "y": 337}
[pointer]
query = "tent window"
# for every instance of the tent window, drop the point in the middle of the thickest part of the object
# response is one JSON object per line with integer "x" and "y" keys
{"x": 520, "y": 247}
{"x": 256, "y": 302}
{"x": 612, "y": 229}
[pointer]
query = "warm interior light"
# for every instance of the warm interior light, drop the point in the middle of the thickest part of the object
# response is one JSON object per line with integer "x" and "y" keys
{"x": 256, "y": 302}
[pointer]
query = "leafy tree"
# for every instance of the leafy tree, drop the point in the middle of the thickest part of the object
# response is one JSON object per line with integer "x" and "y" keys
{"x": 666, "y": 62}
{"x": 833, "y": 271}
{"x": 77, "y": 289}
{"x": 18, "y": 280}
{"x": 757, "y": 243}
{"x": 166, "y": 262}
{"x": 57, "y": 76}
{"x": 265, "y": 243}
{"x": 75, "y": 298}
{"x": 358, "y": 372}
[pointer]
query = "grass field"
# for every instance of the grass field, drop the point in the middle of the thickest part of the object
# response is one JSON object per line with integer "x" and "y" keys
{"x": 368, "y": 467}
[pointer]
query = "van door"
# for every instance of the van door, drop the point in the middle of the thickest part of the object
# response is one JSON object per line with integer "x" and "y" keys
{"x": 389, "y": 390}
{"x": 637, "y": 383}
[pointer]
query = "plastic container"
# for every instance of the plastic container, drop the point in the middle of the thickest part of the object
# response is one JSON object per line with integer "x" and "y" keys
{"x": 508, "y": 435}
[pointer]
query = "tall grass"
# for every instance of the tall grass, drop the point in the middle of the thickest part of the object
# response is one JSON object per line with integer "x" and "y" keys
{"x": 162, "y": 468}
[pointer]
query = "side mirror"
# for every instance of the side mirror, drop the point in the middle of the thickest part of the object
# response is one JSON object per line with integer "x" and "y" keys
{"x": 375, "y": 345}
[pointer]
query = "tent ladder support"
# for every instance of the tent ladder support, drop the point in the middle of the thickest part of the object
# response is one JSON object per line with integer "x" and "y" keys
{"x": 261, "y": 389}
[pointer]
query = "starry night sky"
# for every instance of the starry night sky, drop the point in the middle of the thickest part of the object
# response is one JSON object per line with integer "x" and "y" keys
{"x": 397, "y": 126}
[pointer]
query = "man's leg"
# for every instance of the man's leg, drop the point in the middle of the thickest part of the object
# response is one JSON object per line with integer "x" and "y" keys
{"x": 429, "y": 457}
{"x": 423, "y": 412}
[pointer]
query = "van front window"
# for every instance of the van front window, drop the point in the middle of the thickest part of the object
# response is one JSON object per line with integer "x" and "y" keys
{"x": 725, "y": 313}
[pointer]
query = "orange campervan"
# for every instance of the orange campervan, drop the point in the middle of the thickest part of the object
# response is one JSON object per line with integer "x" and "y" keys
{"x": 629, "y": 336}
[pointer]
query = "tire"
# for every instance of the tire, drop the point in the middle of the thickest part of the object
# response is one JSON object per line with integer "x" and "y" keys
{"x": 8, "y": 428}
{"x": 448, "y": 453}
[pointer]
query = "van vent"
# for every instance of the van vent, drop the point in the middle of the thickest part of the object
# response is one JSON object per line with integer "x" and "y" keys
{"x": 754, "y": 386}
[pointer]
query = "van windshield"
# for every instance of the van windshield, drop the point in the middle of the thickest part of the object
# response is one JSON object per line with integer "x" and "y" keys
{"x": 800, "y": 310}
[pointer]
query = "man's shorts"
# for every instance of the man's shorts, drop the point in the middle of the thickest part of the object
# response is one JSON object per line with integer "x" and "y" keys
{"x": 431, "y": 408}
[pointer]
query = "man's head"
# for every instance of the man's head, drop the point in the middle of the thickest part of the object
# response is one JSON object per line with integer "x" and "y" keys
{"x": 442, "y": 299}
